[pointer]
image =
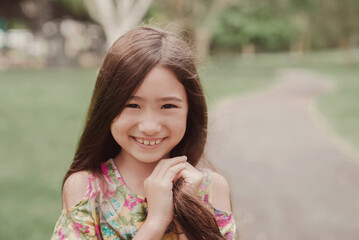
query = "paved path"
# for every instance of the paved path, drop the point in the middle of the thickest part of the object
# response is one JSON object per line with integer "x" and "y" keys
{"x": 290, "y": 179}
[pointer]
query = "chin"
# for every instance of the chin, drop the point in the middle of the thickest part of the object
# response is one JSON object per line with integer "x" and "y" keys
{"x": 149, "y": 159}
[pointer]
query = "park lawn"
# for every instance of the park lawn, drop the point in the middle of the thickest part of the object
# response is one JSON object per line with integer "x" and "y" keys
{"x": 42, "y": 114}
{"x": 341, "y": 107}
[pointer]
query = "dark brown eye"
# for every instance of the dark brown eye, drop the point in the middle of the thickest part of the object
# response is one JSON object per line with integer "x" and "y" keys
{"x": 132, "y": 106}
{"x": 167, "y": 106}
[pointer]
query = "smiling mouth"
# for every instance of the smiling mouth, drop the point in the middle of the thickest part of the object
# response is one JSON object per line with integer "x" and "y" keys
{"x": 148, "y": 142}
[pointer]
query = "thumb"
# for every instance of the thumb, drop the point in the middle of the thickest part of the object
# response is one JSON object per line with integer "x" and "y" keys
{"x": 178, "y": 176}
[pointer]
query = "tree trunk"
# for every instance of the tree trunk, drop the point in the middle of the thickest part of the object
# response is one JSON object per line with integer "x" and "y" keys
{"x": 117, "y": 16}
{"x": 202, "y": 41}
{"x": 346, "y": 46}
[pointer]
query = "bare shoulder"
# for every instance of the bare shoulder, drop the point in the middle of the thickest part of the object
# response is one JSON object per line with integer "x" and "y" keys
{"x": 75, "y": 188}
{"x": 220, "y": 192}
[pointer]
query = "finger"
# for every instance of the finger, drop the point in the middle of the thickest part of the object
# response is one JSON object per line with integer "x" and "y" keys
{"x": 190, "y": 175}
{"x": 190, "y": 166}
{"x": 170, "y": 161}
{"x": 185, "y": 174}
{"x": 179, "y": 175}
{"x": 189, "y": 171}
{"x": 163, "y": 166}
{"x": 173, "y": 172}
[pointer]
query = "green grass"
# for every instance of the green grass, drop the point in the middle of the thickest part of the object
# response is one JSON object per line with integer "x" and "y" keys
{"x": 341, "y": 107}
{"x": 42, "y": 113}
{"x": 224, "y": 76}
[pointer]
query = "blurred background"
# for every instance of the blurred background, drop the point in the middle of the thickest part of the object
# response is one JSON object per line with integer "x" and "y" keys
{"x": 50, "y": 51}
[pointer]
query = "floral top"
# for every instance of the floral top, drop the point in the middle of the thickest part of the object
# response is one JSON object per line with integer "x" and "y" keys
{"x": 121, "y": 210}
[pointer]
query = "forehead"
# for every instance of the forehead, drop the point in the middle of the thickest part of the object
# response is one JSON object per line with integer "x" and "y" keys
{"x": 160, "y": 82}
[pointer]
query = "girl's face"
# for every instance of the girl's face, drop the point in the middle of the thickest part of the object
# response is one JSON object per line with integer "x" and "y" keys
{"x": 154, "y": 119}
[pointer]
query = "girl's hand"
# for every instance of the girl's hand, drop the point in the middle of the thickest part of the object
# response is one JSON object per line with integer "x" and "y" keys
{"x": 192, "y": 178}
{"x": 158, "y": 190}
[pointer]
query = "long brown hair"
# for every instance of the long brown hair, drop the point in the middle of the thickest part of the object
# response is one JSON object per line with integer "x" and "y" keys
{"x": 125, "y": 66}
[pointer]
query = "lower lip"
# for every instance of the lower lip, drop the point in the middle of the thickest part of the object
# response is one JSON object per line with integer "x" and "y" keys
{"x": 148, "y": 146}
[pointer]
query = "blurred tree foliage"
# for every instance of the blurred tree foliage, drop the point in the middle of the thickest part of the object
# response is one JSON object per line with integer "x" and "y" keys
{"x": 76, "y": 6}
{"x": 33, "y": 13}
{"x": 199, "y": 18}
{"x": 257, "y": 24}
{"x": 266, "y": 25}
{"x": 298, "y": 25}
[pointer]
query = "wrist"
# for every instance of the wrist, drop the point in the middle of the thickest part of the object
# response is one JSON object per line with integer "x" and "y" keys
{"x": 158, "y": 222}
{"x": 151, "y": 230}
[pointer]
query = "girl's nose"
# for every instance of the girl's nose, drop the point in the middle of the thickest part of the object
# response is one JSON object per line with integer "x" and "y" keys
{"x": 150, "y": 125}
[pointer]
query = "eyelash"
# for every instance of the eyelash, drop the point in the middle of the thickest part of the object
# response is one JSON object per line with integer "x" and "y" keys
{"x": 132, "y": 105}
{"x": 172, "y": 106}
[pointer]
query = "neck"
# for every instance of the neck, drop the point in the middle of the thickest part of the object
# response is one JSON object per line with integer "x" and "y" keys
{"x": 133, "y": 172}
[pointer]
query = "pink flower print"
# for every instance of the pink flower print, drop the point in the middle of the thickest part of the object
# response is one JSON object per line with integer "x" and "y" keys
{"x": 98, "y": 232}
{"x": 77, "y": 227}
{"x": 129, "y": 204}
{"x": 89, "y": 188}
{"x": 203, "y": 187}
{"x": 206, "y": 198}
{"x": 87, "y": 229}
{"x": 133, "y": 204}
{"x": 110, "y": 194}
{"x": 139, "y": 200}
{"x": 229, "y": 235}
{"x": 61, "y": 235}
{"x": 121, "y": 181}
{"x": 92, "y": 195}
{"x": 223, "y": 220}
{"x": 105, "y": 171}
{"x": 91, "y": 191}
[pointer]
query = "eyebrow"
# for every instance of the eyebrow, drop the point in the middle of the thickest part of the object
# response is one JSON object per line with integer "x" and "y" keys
{"x": 169, "y": 98}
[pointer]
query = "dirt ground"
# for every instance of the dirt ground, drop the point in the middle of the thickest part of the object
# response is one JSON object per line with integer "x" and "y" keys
{"x": 292, "y": 178}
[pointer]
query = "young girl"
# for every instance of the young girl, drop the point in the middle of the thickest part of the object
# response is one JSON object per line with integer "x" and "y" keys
{"x": 134, "y": 173}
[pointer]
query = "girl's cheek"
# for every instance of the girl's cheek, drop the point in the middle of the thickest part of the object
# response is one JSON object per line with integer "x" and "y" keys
{"x": 128, "y": 115}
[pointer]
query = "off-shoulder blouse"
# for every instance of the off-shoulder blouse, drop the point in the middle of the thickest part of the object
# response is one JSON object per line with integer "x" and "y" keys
{"x": 112, "y": 207}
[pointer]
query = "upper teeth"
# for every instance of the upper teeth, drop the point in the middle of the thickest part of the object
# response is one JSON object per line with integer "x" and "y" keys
{"x": 146, "y": 142}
